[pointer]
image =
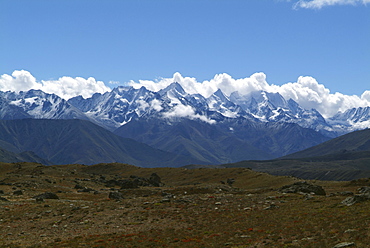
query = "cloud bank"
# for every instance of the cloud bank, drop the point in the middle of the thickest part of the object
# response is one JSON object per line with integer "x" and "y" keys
{"x": 65, "y": 87}
{"x": 318, "y": 4}
{"x": 306, "y": 90}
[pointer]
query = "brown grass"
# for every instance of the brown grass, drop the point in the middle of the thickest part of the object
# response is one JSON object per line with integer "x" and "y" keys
{"x": 203, "y": 212}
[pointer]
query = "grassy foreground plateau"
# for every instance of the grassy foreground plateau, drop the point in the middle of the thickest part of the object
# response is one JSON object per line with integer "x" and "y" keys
{"x": 118, "y": 205}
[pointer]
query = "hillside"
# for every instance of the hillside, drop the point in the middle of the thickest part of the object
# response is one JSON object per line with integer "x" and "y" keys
{"x": 78, "y": 141}
{"x": 349, "y": 143}
{"x": 11, "y": 157}
{"x": 195, "y": 139}
{"x": 226, "y": 142}
{"x": 344, "y": 158}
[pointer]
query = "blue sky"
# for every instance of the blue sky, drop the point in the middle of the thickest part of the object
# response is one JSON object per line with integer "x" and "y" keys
{"x": 123, "y": 40}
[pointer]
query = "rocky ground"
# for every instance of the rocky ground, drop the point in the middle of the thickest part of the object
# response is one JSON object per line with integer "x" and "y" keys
{"x": 116, "y": 205}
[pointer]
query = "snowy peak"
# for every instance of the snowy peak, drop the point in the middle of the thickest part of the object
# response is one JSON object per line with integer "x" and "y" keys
{"x": 120, "y": 90}
{"x": 116, "y": 108}
{"x": 40, "y": 105}
{"x": 261, "y": 104}
{"x": 129, "y": 94}
{"x": 9, "y": 111}
{"x": 272, "y": 107}
{"x": 219, "y": 102}
{"x": 174, "y": 90}
{"x": 355, "y": 115}
{"x": 220, "y": 95}
{"x": 270, "y": 100}
{"x": 259, "y": 101}
{"x": 294, "y": 107}
{"x": 351, "y": 120}
{"x": 219, "y": 99}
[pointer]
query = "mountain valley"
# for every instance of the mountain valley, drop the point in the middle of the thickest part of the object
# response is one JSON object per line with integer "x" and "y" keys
{"x": 172, "y": 128}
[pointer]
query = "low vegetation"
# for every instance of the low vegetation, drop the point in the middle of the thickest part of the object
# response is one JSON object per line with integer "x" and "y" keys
{"x": 231, "y": 207}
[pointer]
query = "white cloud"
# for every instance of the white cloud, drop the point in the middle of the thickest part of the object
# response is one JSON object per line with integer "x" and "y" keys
{"x": 18, "y": 81}
{"x": 206, "y": 88}
{"x": 318, "y": 4}
{"x": 366, "y": 96}
{"x": 310, "y": 94}
{"x": 142, "y": 105}
{"x": 306, "y": 91}
{"x": 156, "y": 105}
{"x": 65, "y": 87}
{"x": 181, "y": 110}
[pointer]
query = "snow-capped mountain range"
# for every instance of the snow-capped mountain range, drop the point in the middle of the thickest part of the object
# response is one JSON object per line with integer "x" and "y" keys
{"x": 124, "y": 104}
{"x": 207, "y": 130}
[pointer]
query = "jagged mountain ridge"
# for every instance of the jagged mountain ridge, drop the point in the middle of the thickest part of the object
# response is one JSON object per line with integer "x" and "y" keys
{"x": 38, "y": 105}
{"x": 124, "y": 104}
{"x": 351, "y": 119}
{"x": 272, "y": 107}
